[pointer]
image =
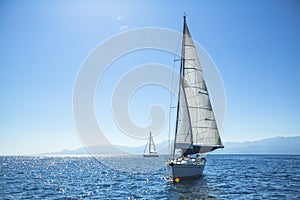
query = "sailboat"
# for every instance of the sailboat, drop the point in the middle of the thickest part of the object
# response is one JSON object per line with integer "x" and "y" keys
{"x": 196, "y": 131}
{"x": 151, "y": 146}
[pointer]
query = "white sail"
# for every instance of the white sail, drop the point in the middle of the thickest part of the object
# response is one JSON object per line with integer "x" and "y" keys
{"x": 196, "y": 122}
{"x": 151, "y": 145}
{"x": 183, "y": 130}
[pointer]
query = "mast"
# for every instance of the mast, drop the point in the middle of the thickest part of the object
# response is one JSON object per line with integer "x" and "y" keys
{"x": 182, "y": 107}
{"x": 179, "y": 85}
{"x": 183, "y": 49}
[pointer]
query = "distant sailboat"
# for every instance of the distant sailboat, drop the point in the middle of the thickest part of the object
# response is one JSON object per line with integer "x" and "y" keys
{"x": 196, "y": 130}
{"x": 151, "y": 146}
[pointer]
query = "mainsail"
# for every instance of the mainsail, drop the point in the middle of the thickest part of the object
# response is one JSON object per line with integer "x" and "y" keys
{"x": 196, "y": 127}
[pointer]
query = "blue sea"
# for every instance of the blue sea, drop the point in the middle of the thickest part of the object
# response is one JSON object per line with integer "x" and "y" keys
{"x": 225, "y": 177}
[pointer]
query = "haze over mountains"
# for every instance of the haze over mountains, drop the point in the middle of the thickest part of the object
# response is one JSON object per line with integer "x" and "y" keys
{"x": 275, "y": 145}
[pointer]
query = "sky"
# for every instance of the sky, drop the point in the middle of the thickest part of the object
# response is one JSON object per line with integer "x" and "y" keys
{"x": 255, "y": 45}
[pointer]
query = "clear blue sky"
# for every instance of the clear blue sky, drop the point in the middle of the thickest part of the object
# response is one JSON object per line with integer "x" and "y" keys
{"x": 255, "y": 44}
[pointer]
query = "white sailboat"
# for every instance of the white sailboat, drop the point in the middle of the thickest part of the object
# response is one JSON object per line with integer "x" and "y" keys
{"x": 196, "y": 130}
{"x": 151, "y": 148}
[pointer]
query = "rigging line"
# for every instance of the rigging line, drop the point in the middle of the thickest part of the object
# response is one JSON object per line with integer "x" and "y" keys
{"x": 171, "y": 95}
{"x": 145, "y": 147}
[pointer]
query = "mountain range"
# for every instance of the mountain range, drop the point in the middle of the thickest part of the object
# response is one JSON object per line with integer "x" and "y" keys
{"x": 274, "y": 145}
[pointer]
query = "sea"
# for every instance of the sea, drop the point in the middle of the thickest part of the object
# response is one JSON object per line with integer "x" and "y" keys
{"x": 86, "y": 177}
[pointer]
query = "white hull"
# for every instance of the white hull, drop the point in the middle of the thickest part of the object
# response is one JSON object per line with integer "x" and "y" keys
{"x": 150, "y": 155}
{"x": 185, "y": 170}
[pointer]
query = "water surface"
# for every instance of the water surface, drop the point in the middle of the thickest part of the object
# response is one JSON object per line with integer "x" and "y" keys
{"x": 225, "y": 177}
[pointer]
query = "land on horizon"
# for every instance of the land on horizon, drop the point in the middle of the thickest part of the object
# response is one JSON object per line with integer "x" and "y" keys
{"x": 274, "y": 145}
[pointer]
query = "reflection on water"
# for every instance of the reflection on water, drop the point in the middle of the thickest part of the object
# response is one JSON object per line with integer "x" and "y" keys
{"x": 134, "y": 163}
{"x": 191, "y": 189}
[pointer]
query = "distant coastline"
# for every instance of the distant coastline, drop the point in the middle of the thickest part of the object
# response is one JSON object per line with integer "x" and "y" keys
{"x": 274, "y": 145}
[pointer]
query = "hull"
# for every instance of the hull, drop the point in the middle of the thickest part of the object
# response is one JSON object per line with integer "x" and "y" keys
{"x": 185, "y": 170}
{"x": 150, "y": 155}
